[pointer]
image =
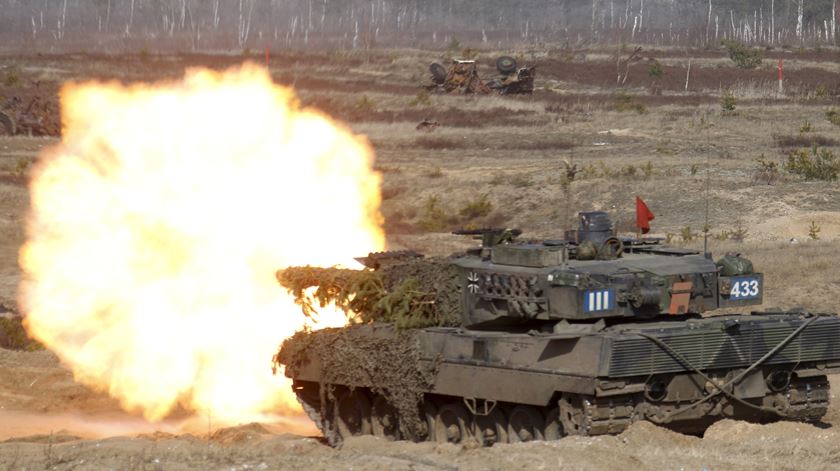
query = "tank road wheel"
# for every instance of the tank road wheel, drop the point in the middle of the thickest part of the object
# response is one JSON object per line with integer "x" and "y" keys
{"x": 451, "y": 423}
{"x": 525, "y": 424}
{"x": 553, "y": 428}
{"x": 353, "y": 414}
{"x": 429, "y": 412}
{"x": 571, "y": 416}
{"x": 385, "y": 420}
{"x": 492, "y": 428}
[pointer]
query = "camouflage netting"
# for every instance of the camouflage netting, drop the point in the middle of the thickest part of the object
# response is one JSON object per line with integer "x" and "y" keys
{"x": 404, "y": 294}
{"x": 385, "y": 360}
{"x": 410, "y": 294}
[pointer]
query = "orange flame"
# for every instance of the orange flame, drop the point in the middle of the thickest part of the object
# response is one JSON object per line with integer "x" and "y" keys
{"x": 158, "y": 223}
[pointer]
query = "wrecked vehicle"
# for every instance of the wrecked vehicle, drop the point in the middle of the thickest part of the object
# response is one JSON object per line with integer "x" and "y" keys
{"x": 519, "y": 340}
{"x": 462, "y": 77}
{"x": 513, "y": 79}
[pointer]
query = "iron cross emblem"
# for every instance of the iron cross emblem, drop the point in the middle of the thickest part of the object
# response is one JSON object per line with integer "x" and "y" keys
{"x": 472, "y": 282}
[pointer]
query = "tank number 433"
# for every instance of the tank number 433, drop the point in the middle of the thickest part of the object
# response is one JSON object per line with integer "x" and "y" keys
{"x": 745, "y": 288}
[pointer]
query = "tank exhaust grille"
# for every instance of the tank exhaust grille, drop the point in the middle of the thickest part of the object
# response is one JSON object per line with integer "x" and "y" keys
{"x": 711, "y": 349}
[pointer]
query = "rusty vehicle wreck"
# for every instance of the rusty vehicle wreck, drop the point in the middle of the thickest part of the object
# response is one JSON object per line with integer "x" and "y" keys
{"x": 463, "y": 78}
{"x": 519, "y": 340}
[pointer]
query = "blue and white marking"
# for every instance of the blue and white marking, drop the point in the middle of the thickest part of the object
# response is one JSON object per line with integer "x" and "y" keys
{"x": 747, "y": 287}
{"x": 598, "y": 300}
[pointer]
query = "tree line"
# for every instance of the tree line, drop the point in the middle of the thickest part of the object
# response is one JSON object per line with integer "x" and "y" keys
{"x": 354, "y": 24}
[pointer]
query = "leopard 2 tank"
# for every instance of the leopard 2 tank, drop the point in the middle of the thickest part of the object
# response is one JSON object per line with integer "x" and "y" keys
{"x": 521, "y": 340}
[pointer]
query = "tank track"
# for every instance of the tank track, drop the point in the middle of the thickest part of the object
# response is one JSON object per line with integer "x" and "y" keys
{"x": 456, "y": 420}
{"x": 311, "y": 406}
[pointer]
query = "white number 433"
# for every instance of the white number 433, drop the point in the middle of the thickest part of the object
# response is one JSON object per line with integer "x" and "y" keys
{"x": 745, "y": 288}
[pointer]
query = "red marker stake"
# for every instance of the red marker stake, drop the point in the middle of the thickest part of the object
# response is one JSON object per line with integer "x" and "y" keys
{"x": 266, "y": 58}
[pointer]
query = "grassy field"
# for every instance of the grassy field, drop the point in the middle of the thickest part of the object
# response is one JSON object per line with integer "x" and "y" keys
{"x": 680, "y": 150}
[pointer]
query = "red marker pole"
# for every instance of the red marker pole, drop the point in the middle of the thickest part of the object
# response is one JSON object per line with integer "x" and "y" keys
{"x": 781, "y": 77}
{"x": 266, "y": 58}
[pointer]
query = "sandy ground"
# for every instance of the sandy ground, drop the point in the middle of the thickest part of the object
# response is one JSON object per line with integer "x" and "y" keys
{"x": 48, "y": 421}
{"x": 57, "y": 424}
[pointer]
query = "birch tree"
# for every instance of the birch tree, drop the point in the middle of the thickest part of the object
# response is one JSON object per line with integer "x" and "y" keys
{"x": 799, "y": 20}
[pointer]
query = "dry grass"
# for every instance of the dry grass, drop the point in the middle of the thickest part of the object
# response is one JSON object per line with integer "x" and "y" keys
{"x": 801, "y": 273}
{"x": 439, "y": 143}
{"x": 392, "y": 192}
{"x": 804, "y": 140}
{"x": 14, "y": 337}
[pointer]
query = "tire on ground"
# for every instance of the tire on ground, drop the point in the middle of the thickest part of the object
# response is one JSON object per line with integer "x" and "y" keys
{"x": 506, "y": 65}
{"x": 438, "y": 72}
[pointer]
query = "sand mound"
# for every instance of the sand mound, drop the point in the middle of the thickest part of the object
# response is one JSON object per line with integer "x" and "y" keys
{"x": 733, "y": 431}
{"x": 249, "y": 433}
{"x": 643, "y": 432}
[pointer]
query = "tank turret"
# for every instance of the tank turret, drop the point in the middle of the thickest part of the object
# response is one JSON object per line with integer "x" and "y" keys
{"x": 592, "y": 274}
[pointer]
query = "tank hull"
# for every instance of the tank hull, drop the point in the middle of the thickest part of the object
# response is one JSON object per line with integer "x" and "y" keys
{"x": 451, "y": 384}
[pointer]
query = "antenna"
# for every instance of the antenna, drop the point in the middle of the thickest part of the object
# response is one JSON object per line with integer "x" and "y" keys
{"x": 706, "y": 224}
{"x": 567, "y": 177}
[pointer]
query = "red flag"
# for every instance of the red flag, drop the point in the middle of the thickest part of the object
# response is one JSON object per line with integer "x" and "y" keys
{"x": 643, "y": 216}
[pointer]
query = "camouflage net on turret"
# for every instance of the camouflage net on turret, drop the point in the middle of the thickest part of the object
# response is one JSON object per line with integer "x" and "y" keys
{"x": 411, "y": 294}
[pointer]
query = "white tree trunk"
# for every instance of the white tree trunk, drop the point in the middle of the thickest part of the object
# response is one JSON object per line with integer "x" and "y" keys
{"x": 216, "y": 14}
{"x": 641, "y": 15}
{"x": 732, "y": 23}
{"x": 183, "y": 13}
{"x": 761, "y": 24}
{"x": 130, "y": 21}
{"x": 626, "y": 14}
{"x": 62, "y": 21}
{"x": 245, "y": 21}
{"x": 708, "y": 21}
{"x": 799, "y": 20}
{"x": 687, "y": 74}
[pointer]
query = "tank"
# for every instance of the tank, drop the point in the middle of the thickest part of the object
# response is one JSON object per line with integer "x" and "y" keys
{"x": 518, "y": 340}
